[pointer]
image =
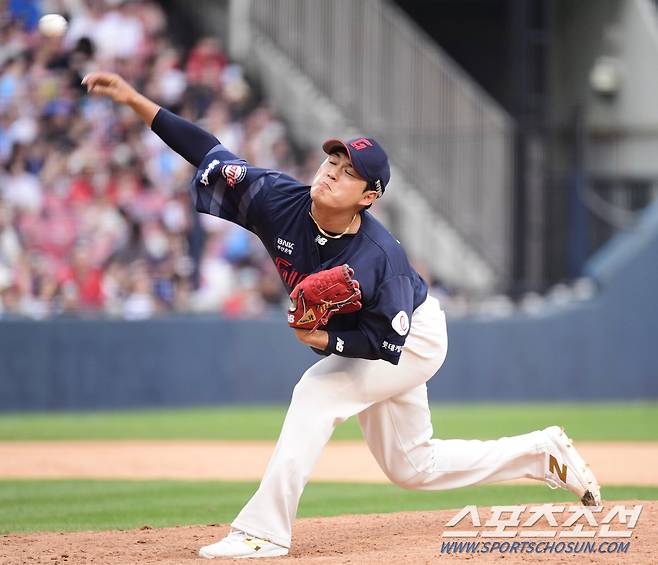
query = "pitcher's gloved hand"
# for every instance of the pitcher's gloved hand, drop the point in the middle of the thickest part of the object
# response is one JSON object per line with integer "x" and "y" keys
{"x": 321, "y": 295}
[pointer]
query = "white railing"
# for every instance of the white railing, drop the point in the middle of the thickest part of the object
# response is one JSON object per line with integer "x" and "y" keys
{"x": 449, "y": 138}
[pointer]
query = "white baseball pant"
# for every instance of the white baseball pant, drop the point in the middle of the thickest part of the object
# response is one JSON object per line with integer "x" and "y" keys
{"x": 391, "y": 403}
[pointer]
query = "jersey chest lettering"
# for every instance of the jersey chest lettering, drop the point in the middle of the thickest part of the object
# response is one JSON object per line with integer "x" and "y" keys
{"x": 284, "y": 246}
{"x": 288, "y": 274}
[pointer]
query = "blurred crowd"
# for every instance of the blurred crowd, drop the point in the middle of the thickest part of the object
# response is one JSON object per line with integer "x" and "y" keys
{"x": 95, "y": 217}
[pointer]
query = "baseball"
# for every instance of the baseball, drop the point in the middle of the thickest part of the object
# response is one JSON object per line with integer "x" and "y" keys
{"x": 52, "y": 25}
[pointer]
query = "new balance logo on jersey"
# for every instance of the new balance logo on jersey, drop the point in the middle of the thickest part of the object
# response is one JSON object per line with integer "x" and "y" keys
{"x": 339, "y": 345}
{"x": 207, "y": 171}
{"x": 320, "y": 240}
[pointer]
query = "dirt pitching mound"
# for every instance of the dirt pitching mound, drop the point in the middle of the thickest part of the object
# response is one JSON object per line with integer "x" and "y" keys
{"x": 409, "y": 537}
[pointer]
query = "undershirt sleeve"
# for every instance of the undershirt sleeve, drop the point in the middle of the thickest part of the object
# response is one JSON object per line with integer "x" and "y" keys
{"x": 187, "y": 139}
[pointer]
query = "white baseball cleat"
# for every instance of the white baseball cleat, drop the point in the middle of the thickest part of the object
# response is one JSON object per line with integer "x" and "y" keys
{"x": 240, "y": 545}
{"x": 567, "y": 469}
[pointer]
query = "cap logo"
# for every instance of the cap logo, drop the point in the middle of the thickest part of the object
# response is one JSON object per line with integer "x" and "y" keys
{"x": 378, "y": 185}
{"x": 361, "y": 143}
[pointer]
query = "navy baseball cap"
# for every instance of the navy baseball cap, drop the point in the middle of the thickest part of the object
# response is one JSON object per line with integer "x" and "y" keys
{"x": 368, "y": 159}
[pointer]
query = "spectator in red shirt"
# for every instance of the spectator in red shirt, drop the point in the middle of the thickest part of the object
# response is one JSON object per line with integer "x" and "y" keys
{"x": 86, "y": 278}
{"x": 206, "y": 62}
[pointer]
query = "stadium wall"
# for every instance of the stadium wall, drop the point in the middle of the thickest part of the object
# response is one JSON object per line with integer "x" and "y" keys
{"x": 603, "y": 348}
{"x": 72, "y": 364}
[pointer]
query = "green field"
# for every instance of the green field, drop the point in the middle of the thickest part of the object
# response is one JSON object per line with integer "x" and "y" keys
{"x": 592, "y": 422}
{"x": 68, "y": 505}
{"x": 30, "y": 506}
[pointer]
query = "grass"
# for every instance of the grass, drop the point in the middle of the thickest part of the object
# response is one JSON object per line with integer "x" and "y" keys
{"x": 70, "y": 505}
{"x": 54, "y": 505}
{"x": 592, "y": 422}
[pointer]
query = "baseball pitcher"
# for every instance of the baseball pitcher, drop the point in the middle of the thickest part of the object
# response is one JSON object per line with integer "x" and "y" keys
{"x": 357, "y": 302}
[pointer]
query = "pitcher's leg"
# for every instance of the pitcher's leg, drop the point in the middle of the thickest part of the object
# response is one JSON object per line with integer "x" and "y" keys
{"x": 326, "y": 395}
{"x": 330, "y": 392}
{"x": 399, "y": 433}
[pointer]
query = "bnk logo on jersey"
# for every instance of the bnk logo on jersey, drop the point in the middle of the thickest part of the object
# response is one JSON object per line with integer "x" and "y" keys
{"x": 234, "y": 174}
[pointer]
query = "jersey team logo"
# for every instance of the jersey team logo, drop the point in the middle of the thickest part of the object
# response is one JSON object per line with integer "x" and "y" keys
{"x": 234, "y": 174}
{"x": 401, "y": 322}
{"x": 288, "y": 275}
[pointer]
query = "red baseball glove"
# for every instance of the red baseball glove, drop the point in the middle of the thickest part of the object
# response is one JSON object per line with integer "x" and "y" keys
{"x": 321, "y": 295}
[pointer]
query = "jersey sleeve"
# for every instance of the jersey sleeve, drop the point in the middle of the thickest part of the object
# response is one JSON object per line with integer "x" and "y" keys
{"x": 187, "y": 139}
{"x": 383, "y": 325}
{"x": 230, "y": 188}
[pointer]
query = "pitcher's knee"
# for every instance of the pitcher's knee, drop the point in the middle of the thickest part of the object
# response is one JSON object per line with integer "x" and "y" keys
{"x": 414, "y": 481}
{"x": 405, "y": 475}
{"x": 421, "y": 480}
{"x": 411, "y": 469}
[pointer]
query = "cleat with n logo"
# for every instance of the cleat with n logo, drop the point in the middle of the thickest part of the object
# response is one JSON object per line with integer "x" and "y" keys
{"x": 554, "y": 467}
{"x": 238, "y": 544}
{"x": 565, "y": 468}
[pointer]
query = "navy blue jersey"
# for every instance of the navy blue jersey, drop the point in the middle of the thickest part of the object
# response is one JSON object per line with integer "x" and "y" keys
{"x": 276, "y": 208}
